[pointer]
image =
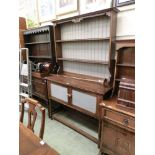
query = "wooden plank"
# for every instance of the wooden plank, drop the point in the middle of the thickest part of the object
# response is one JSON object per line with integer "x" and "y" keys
{"x": 86, "y": 39}
{"x": 29, "y": 143}
{"x": 84, "y": 85}
{"x": 87, "y": 15}
{"x": 84, "y": 61}
{"x": 84, "y": 77}
{"x": 40, "y": 42}
{"x": 126, "y": 65}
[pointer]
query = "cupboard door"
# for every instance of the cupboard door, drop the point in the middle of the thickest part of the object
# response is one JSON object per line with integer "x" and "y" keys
{"x": 118, "y": 140}
{"x": 84, "y": 101}
{"x": 59, "y": 92}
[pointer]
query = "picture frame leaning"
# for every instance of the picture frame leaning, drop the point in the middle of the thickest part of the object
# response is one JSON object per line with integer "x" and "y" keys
{"x": 87, "y": 6}
{"x": 46, "y": 10}
{"x": 66, "y": 6}
{"x": 123, "y": 2}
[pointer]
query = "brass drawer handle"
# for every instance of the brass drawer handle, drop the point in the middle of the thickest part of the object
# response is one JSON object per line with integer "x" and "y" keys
{"x": 125, "y": 122}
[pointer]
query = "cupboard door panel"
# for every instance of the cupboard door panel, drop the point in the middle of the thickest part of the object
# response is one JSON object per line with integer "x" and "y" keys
{"x": 117, "y": 140}
{"x": 59, "y": 92}
{"x": 84, "y": 101}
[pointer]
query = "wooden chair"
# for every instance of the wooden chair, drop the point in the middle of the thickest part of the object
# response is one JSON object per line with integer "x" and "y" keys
{"x": 32, "y": 114}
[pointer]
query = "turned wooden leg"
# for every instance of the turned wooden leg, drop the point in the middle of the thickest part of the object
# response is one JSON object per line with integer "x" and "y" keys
{"x": 48, "y": 103}
{"x": 51, "y": 109}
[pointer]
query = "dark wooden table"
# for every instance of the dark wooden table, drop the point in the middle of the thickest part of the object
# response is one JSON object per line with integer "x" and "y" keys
{"x": 29, "y": 143}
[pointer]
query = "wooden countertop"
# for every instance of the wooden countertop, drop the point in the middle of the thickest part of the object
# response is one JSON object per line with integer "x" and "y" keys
{"x": 39, "y": 75}
{"x": 92, "y": 87}
{"x": 30, "y": 144}
{"x": 111, "y": 104}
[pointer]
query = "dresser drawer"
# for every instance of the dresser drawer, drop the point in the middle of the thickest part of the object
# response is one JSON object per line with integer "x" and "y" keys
{"x": 39, "y": 87}
{"x": 39, "y": 80}
{"x": 120, "y": 118}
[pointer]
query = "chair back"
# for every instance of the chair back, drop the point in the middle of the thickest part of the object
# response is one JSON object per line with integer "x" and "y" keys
{"x": 32, "y": 114}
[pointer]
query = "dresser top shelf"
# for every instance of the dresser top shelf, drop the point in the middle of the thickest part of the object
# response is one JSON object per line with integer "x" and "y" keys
{"x": 43, "y": 57}
{"x": 84, "y": 39}
{"x": 85, "y": 61}
{"x": 40, "y": 42}
{"x": 84, "y": 84}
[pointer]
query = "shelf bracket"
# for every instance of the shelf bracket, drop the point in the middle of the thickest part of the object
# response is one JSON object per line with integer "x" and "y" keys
{"x": 77, "y": 20}
{"x": 108, "y": 14}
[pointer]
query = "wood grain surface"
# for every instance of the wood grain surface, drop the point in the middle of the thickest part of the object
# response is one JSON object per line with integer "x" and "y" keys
{"x": 29, "y": 143}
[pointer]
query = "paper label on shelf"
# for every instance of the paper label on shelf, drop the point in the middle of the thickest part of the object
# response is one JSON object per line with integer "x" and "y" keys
{"x": 24, "y": 70}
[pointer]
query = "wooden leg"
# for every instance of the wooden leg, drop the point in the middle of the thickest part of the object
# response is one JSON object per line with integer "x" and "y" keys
{"x": 100, "y": 153}
{"x": 52, "y": 110}
{"x": 99, "y": 133}
{"x": 101, "y": 127}
{"x": 49, "y": 108}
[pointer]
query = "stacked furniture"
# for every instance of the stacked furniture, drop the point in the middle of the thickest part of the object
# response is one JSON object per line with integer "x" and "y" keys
{"x": 125, "y": 76}
{"x": 117, "y": 135}
{"x": 40, "y": 42}
{"x": 85, "y": 52}
{"x": 117, "y": 118}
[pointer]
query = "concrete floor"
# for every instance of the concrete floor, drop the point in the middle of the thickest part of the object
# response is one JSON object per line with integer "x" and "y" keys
{"x": 65, "y": 140}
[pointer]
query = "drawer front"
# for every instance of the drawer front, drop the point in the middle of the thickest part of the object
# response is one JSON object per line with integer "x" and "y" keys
{"x": 38, "y": 80}
{"x": 84, "y": 101}
{"x": 122, "y": 119}
{"x": 39, "y": 88}
{"x": 117, "y": 140}
{"x": 59, "y": 92}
